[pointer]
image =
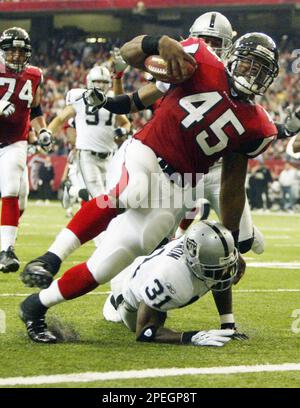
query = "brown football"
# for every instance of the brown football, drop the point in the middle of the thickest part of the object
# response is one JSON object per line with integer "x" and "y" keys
{"x": 157, "y": 67}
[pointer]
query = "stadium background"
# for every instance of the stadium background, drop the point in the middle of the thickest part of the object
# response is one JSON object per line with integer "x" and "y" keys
{"x": 70, "y": 36}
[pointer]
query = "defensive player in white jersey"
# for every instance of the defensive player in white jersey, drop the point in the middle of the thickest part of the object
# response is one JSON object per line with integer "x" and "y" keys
{"x": 95, "y": 131}
{"x": 175, "y": 276}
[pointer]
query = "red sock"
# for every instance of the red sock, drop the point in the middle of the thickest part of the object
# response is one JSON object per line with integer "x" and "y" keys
{"x": 92, "y": 219}
{"x": 186, "y": 222}
{"x": 76, "y": 282}
{"x": 10, "y": 213}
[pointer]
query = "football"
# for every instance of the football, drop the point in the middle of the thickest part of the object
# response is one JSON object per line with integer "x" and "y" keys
{"x": 157, "y": 67}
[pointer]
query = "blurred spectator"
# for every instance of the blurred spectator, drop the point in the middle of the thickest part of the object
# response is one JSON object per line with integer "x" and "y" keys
{"x": 289, "y": 184}
{"x": 259, "y": 182}
{"x": 46, "y": 179}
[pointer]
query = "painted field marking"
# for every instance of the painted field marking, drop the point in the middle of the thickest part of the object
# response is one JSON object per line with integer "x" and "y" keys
{"x": 148, "y": 373}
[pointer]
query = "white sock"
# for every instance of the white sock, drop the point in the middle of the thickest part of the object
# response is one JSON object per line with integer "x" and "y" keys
{"x": 51, "y": 296}
{"x": 65, "y": 243}
{"x": 8, "y": 236}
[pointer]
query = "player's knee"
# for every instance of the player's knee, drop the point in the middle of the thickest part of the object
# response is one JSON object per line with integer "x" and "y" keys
{"x": 156, "y": 231}
{"x": 245, "y": 246}
{"x": 104, "y": 268}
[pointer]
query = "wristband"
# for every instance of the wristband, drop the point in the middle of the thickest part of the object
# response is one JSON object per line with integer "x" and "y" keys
{"x": 118, "y": 75}
{"x": 147, "y": 335}
{"x": 230, "y": 326}
{"x": 150, "y": 44}
{"x": 186, "y": 337}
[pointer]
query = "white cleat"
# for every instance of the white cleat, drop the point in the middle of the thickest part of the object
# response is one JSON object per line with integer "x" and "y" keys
{"x": 109, "y": 312}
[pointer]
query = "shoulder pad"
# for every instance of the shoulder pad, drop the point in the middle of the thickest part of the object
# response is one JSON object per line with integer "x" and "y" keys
{"x": 73, "y": 95}
{"x": 35, "y": 71}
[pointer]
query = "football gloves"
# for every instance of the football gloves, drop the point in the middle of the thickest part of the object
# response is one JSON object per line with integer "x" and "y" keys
{"x": 120, "y": 132}
{"x": 118, "y": 63}
{"x": 236, "y": 335}
{"x": 45, "y": 139}
{"x": 215, "y": 338}
{"x": 6, "y": 108}
{"x": 94, "y": 98}
{"x": 292, "y": 122}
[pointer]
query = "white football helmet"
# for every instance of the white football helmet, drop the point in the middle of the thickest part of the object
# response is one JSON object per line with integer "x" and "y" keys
{"x": 99, "y": 78}
{"x": 214, "y": 25}
{"x": 211, "y": 255}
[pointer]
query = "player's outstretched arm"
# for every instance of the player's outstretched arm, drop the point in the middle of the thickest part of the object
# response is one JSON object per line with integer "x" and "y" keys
{"x": 135, "y": 51}
{"x": 67, "y": 113}
{"x": 123, "y": 104}
{"x": 150, "y": 328}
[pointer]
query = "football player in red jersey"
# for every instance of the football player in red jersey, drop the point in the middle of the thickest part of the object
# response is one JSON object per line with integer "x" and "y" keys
{"x": 208, "y": 116}
{"x": 19, "y": 104}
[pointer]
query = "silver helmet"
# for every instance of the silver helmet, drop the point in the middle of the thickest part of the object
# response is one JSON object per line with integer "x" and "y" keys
{"x": 215, "y": 25}
{"x": 99, "y": 77}
{"x": 211, "y": 255}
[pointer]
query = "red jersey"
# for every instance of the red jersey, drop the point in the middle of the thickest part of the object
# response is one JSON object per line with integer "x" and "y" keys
{"x": 18, "y": 88}
{"x": 200, "y": 120}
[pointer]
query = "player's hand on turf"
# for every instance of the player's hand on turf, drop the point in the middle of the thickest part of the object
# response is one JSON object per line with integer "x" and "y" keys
{"x": 6, "y": 108}
{"x": 292, "y": 122}
{"x": 215, "y": 338}
{"x": 241, "y": 269}
{"x": 175, "y": 56}
{"x": 94, "y": 98}
{"x": 45, "y": 139}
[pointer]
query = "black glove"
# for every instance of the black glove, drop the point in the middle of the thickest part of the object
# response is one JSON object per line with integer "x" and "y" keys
{"x": 236, "y": 335}
{"x": 45, "y": 139}
{"x": 94, "y": 98}
{"x": 120, "y": 132}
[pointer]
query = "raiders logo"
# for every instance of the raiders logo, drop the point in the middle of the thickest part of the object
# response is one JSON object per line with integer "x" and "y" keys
{"x": 191, "y": 247}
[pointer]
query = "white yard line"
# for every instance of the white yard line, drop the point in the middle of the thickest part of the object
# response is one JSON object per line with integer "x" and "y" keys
{"x": 149, "y": 373}
{"x": 274, "y": 265}
{"x": 11, "y": 295}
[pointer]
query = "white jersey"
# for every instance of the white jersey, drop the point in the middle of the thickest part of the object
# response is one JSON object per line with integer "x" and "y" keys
{"x": 95, "y": 131}
{"x": 290, "y": 149}
{"x": 162, "y": 280}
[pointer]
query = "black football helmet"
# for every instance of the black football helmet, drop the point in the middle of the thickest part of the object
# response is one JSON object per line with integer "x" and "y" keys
{"x": 12, "y": 40}
{"x": 253, "y": 63}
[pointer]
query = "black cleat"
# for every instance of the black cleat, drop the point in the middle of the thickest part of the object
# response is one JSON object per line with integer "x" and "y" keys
{"x": 32, "y": 313}
{"x": 9, "y": 261}
{"x": 37, "y": 273}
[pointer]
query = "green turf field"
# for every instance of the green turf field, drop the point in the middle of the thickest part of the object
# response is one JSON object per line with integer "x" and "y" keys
{"x": 261, "y": 310}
